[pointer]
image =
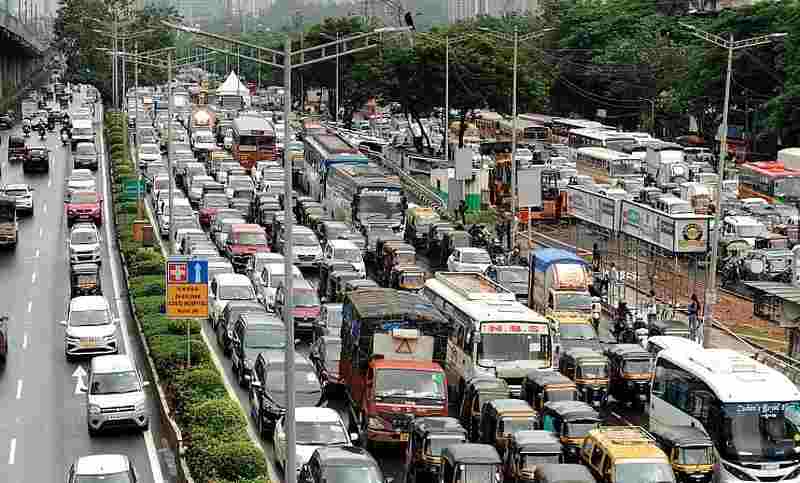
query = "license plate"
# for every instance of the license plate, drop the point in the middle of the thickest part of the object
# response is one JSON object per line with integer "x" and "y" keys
{"x": 403, "y": 437}
{"x": 118, "y": 416}
{"x": 88, "y": 344}
{"x": 771, "y": 467}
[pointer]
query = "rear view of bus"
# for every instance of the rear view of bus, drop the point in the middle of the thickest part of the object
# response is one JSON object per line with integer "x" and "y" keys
{"x": 750, "y": 411}
{"x": 253, "y": 140}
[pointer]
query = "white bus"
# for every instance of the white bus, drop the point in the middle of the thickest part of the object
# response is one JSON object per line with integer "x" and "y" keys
{"x": 750, "y": 411}
{"x": 598, "y": 138}
{"x": 492, "y": 332}
{"x": 605, "y": 165}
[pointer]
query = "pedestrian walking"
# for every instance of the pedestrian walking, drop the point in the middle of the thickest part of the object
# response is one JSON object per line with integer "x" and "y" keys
{"x": 462, "y": 210}
{"x": 693, "y": 310}
{"x": 652, "y": 308}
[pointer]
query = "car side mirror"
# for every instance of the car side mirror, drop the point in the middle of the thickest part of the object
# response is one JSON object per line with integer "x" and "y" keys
{"x": 63, "y": 322}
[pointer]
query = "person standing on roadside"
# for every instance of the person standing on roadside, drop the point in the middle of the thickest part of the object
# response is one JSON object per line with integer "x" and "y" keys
{"x": 693, "y": 309}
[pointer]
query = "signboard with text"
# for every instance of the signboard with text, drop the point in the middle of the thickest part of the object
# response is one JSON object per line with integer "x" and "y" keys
{"x": 679, "y": 233}
{"x": 187, "y": 288}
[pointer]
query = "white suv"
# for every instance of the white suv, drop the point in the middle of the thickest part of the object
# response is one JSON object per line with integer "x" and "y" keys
{"x": 90, "y": 328}
{"x": 115, "y": 396}
{"x": 84, "y": 244}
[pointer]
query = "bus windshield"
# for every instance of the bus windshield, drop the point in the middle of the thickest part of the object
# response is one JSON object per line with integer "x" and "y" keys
{"x": 574, "y": 301}
{"x": 380, "y": 205}
{"x": 759, "y": 431}
{"x": 510, "y": 347}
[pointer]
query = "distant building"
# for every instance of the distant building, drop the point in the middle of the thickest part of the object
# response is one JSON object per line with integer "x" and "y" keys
{"x": 465, "y": 9}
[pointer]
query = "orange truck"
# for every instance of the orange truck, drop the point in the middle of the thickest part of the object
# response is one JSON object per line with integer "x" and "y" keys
{"x": 394, "y": 344}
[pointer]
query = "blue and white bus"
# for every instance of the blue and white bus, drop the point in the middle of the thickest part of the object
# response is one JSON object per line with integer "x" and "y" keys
{"x": 750, "y": 411}
{"x": 323, "y": 150}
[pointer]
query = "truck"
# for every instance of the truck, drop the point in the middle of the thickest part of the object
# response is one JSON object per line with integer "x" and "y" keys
{"x": 559, "y": 289}
{"x": 202, "y": 119}
{"x": 666, "y": 166}
{"x": 698, "y": 195}
{"x": 8, "y": 221}
{"x": 29, "y": 108}
{"x": 394, "y": 344}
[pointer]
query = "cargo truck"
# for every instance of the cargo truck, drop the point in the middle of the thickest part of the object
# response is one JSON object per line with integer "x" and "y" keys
{"x": 666, "y": 166}
{"x": 393, "y": 345}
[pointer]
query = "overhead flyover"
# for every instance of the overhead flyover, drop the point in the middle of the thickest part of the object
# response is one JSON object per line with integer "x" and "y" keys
{"x": 20, "y": 52}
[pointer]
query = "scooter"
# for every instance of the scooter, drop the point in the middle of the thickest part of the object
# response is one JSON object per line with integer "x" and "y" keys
{"x": 26, "y": 131}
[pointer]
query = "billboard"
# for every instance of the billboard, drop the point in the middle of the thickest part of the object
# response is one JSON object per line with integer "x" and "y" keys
{"x": 463, "y": 164}
{"x": 686, "y": 233}
{"x": 529, "y": 186}
{"x": 594, "y": 208}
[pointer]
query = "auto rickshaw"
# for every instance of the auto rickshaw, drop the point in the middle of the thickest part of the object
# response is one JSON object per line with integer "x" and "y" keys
{"x": 429, "y": 436}
{"x": 630, "y": 373}
{"x": 436, "y": 233}
{"x": 418, "y": 224}
{"x": 326, "y": 270}
{"x": 542, "y": 386}
{"x": 690, "y": 451}
{"x": 588, "y": 368}
{"x": 395, "y": 254}
{"x": 676, "y": 328}
{"x": 479, "y": 391}
{"x": 336, "y": 282}
{"x": 563, "y": 473}
{"x": 471, "y": 463}
{"x": 407, "y": 278}
{"x": 503, "y": 417}
{"x": 85, "y": 279}
{"x": 571, "y": 421}
{"x": 353, "y": 285}
{"x": 529, "y": 449}
{"x": 451, "y": 241}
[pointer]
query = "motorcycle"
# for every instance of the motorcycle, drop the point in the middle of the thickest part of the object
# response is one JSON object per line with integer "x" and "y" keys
{"x": 42, "y": 134}
{"x": 26, "y": 131}
{"x": 64, "y": 139}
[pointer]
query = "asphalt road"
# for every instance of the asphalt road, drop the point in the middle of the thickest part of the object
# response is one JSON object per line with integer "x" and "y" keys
{"x": 43, "y": 417}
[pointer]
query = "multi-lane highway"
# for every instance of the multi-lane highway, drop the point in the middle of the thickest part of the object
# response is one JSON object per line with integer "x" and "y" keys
{"x": 43, "y": 415}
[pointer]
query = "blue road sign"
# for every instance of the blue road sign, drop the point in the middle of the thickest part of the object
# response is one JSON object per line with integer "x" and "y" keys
{"x": 197, "y": 271}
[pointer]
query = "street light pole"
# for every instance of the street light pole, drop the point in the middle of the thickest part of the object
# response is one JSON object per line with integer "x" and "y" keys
{"x": 169, "y": 152}
{"x": 338, "y": 92}
{"x": 514, "y": 202}
{"x": 702, "y": 333}
{"x": 447, "y": 101}
{"x": 124, "y": 78}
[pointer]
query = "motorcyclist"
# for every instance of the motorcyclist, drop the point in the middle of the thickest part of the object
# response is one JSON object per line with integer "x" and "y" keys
{"x": 42, "y": 132}
{"x": 516, "y": 257}
{"x": 26, "y": 125}
{"x": 623, "y": 312}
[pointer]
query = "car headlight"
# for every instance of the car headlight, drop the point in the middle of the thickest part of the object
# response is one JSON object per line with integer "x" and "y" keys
{"x": 94, "y": 409}
{"x": 141, "y": 405}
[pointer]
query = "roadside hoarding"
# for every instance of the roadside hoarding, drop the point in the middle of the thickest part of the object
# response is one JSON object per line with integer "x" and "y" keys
{"x": 529, "y": 186}
{"x": 594, "y": 208}
{"x": 686, "y": 233}
{"x": 187, "y": 288}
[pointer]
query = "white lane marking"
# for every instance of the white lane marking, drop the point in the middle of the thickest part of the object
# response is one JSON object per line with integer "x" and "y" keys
{"x": 49, "y": 182}
{"x": 44, "y": 208}
{"x": 25, "y": 341}
{"x": 79, "y": 374}
{"x": 149, "y": 441}
{"x": 41, "y": 232}
{"x": 19, "y": 389}
{"x": 30, "y": 306}
{"x": 36, "y": 254}
{"x": 33, "y": 277}
{"x": 12, "y": 453}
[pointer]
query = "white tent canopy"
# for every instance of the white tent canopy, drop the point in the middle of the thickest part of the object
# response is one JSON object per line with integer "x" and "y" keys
{"x": 233, "y": 86}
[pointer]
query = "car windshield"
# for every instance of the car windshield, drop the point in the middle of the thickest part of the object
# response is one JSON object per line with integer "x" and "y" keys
{"x": 305, "y": 380}
{"x": 592, "y": 371}
{"x": 574, "y": 301}
{"x": 123, "y": 477}
{"x": 265, "y": 338}
{"x": 696, "y": 456}
{"x": 436, "y": 443}
{"x": 305, "y": 298}
{"x": 350, "y": 474}
{"x": 405, "y": 384}
{"x": 88, "y": 149}
{"x": 512, "y": 275}
{"x": 530, "y": 461}
{"x": 576, "y": 331}
{"x": 16, "y": 192}
{"x": 320, "y": 433}
{"x": 82, "y": 198}
{"x": 561, "y": 394}
{"x": 348, "y": 254}
{"x": 83, "y": 237}
{"x": 250, "y": 238}
{"x": 579, "y": 430}
{"x": 477, "y": 474}
{"x": 760, "y": 431}
{"x": 475, "y": 257}
{"x": 215, "y": 202}
{"x": 649, "y": 472}
{"x": 636, "y": 366}
{"x": 115, "y": 383}
{"x": 510, "y": 347}
{"x": 380, "y": 206}
{"x": 305, "y": 240}
{"x": 83, "y": 318}
{"x": 236, "y": 292}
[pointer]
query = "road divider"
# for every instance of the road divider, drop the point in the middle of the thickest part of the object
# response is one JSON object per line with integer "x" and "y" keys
{"x": 207, "y": 429}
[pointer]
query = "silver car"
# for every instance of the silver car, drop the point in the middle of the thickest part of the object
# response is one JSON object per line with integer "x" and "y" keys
{"x": 85, "y": 156}
{"x": 84, "y": 244}
{"x": 89, "y": 329}
{"x": 115, "y": 396}
{"x": 115, "y": 468}
{"x": 23, "y": 197}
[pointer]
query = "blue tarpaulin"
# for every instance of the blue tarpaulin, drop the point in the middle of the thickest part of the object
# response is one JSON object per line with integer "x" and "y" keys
{"x": 542, "y": 258}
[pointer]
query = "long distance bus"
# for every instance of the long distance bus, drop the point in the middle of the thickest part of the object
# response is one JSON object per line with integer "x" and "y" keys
{"x": 323, "y": 150}
{"x": 750, "y": 411}
{"x": 770, "y": 180}
{"x": 364, "y": 194}
{"x": 604, "y": 164}
{"x": 492, "y": 332}
{"x": 253, "y": 140}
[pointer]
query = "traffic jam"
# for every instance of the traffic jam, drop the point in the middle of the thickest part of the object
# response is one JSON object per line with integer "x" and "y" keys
{"x": 420, "y": 356}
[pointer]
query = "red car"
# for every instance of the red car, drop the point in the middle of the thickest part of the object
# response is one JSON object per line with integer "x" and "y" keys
{"x": 210, "y": 205}
{"x": 84, "y": 206}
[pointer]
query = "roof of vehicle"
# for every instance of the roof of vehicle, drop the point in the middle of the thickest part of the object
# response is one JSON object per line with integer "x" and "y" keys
{"x": 345, "y": 456}
{"x": 316, "y": 415}
{"x": 544, "y": 257}
{"x": 88, "y": 302}
{"x": 572, "y": 410}
{"x": 239, "y": 305}
{"x": 112, "y": 363}
{"x": 101, "y": 464}
{"x": 232, "y": 279}
{"x": 672, "y": 341}
{"x": 17, "y": 186}
{"x": 537, "y": 440}
{"x": 489, "y": 383}
{"x": 584, "y": 353}
{"x": 544, "y": 377}
{"x": 247, "y": 227}
{"x": 383, "y": 303}
{"x": 333, "y": 307}
{"x": 340, "y": 244}
{"x": 471, "y": 453}
{"x": 627, "y": 442}
{"x": 408, "y": 364}
{"x": 633, "y": 351}
{"x": 511, "y": 405}
{"x": 683, "y": 436}
{"x": 438, "y": 424}
{"x": 279, "y": 268}
{"x": 563, "y": 473}
{"x": 472, "y": 250}
{"x": 77, "y": 227}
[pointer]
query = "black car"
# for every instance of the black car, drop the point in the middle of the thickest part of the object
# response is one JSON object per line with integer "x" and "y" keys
{"x": 268, "y": 391}
{"x": 325, "y": 354}
{"x": 6, "y": 122}
{"x": 38, "y": 159}
{"x": 229, "y": 314}
{"x": 342, "y": 464}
